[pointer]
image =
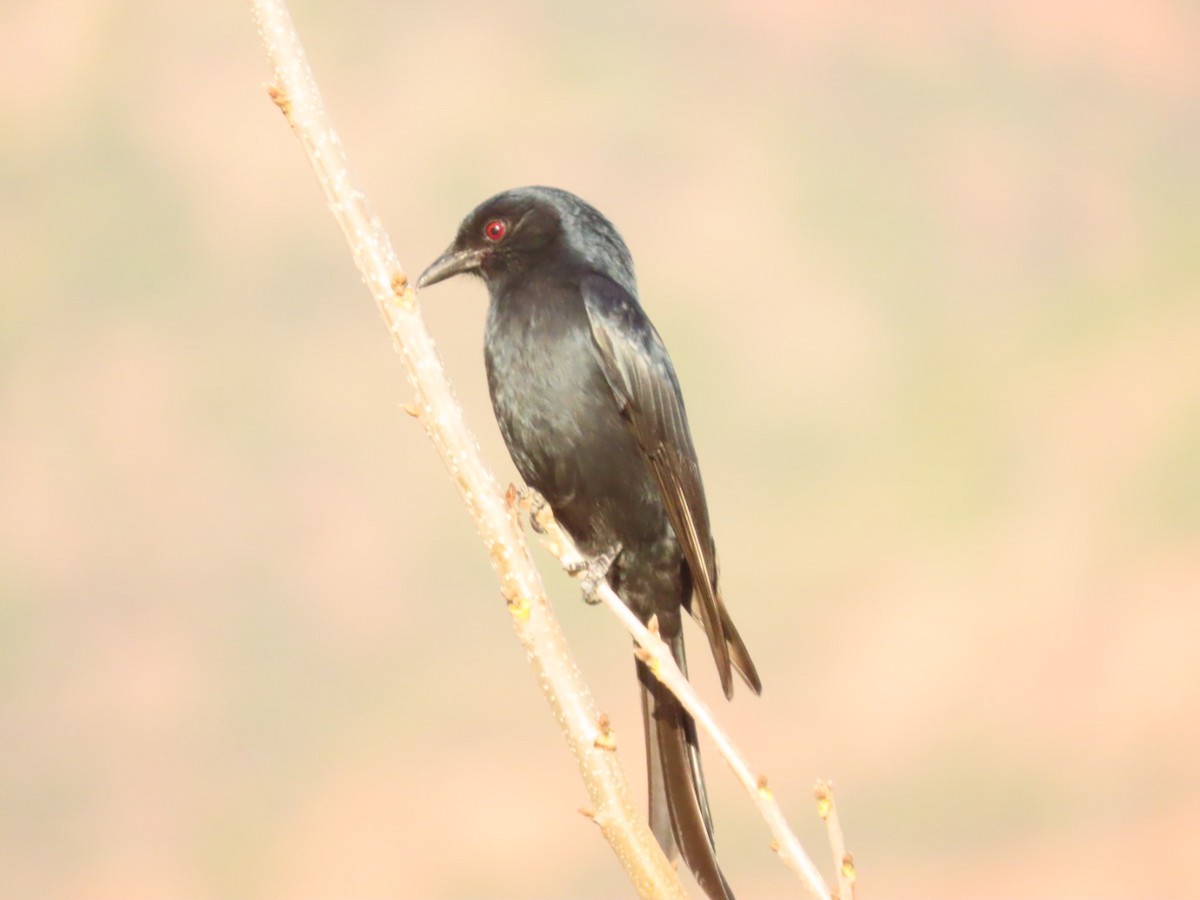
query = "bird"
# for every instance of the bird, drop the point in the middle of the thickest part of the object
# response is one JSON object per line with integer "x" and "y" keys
{"x": 589, "y": 405}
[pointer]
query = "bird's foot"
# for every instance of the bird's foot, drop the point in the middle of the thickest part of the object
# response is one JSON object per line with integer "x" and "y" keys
{"x": 539, "y": 510}
{"x": 592, "y": 573}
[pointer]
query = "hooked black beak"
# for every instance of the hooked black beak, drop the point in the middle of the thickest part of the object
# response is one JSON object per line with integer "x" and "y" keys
{"x": 452, "y": 262}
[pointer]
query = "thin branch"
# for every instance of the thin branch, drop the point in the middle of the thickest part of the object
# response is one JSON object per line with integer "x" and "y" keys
{"x": 847, "y": 876}
{"x": 295, "y": 92}
{"x": 657, "y": 655}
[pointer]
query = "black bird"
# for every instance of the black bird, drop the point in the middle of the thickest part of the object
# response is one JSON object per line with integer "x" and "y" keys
{"x": 589, "y": 405}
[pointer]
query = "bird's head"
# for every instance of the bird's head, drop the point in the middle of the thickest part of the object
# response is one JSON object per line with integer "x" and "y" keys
{"x": 528, "y": 226}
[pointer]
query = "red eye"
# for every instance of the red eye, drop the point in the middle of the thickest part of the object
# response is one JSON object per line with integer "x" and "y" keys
{"x": 495, "y": 229}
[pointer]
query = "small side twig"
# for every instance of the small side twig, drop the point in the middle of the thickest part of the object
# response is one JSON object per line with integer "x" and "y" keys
{"x": 657, "y": 655}
{"x": 847, "y": 876}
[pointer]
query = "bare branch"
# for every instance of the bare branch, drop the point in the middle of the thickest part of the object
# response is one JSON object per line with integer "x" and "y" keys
{"x": 842, "y": 860}
{"x": 653, "y": 651}
{"x": 295, "y": 93}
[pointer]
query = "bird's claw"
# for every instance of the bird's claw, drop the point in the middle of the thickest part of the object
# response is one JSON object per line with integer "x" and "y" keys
{"x": 594, "y": 572}
{"x": 537, "y": 506}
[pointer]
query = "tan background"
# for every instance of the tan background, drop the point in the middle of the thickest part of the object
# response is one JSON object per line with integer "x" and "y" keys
{"x": 930, "y": 278}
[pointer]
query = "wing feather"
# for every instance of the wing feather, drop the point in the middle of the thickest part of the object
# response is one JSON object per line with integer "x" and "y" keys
{"x": 639, "y": 372}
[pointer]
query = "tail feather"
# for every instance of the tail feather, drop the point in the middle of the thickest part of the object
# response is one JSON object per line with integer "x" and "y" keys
{"x": 679, "y": 813}
{"x": 739, "y": 655}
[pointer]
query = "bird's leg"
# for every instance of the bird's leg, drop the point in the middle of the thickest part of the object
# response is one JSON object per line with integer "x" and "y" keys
{"x": 591, "y": 572}
{"x": 594, "y": 571}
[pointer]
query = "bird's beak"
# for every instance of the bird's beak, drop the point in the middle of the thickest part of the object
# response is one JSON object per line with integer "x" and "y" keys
{"x": 452, "y": 262}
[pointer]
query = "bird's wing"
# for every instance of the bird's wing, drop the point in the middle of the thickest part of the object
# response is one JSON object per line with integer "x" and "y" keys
{"x": 637, "y": 368}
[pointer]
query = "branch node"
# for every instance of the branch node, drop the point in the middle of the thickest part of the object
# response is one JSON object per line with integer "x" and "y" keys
{"x": 763, "y": 790}
{"x": 849, "y": 873}
{"x": 823, "y": 791}
{"x": 413, "y": 409}
{"x": 606, "y": 738}
{"x": 518, "y": 607}
{"x": 400, "y": 286}
{"x": 280, "y": 99}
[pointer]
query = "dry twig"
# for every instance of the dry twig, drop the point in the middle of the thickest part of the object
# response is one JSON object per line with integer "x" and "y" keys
{"x": 847, "y": 877}
{"x": 657, "y": 655}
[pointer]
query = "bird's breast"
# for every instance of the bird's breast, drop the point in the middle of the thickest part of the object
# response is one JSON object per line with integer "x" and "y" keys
{"x": 561, "y": 421}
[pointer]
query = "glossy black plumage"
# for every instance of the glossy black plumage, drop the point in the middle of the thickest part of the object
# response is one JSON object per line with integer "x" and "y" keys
{"x": 590, "y": 408}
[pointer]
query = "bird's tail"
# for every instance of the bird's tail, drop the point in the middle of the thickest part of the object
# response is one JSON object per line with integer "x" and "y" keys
{"x": 679, "y": 816}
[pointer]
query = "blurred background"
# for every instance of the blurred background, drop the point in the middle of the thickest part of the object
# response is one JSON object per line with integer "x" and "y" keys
{"x": 930, "y": 276}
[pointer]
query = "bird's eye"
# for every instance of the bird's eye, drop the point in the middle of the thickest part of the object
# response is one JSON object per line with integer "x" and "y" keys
{"x": 495, "y": 229}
